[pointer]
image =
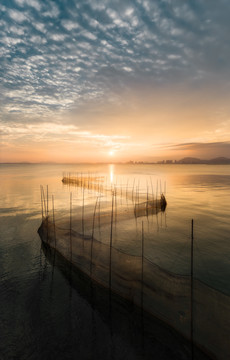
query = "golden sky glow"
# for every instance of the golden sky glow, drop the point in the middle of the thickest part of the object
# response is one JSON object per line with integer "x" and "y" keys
{"x": 114, "y": 87}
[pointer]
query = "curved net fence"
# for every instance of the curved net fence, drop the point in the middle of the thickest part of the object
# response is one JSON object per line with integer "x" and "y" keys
{"x": 88, "y": 237}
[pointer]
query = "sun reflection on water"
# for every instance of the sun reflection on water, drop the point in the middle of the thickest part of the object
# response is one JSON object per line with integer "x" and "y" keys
{"x": 111, "y": 173}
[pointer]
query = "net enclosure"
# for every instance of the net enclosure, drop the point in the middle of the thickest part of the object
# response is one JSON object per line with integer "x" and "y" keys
{"x": 86, "y": 240}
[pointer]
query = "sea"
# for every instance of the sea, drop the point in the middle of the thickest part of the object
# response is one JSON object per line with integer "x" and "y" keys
{"x": 45, "y": 315}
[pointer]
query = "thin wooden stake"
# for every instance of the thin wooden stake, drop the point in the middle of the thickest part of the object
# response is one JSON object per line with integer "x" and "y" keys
{"x": 191, "y": 329}
{"x": 138, "y": 191}
{"x": 133, "y": 188}
{"x": 55, "y": 239}
{"x": 111, "y": 244}
{"x": 142, "y": 266}
{"x": 99, "y": 213}
{"x": 147, "y": 205}
{"x": 44, "y": 200}
{"x": 41, "y": 201}
{"x": 70, "y": 212}
{"x": 83, "y": 210}
{"x": 152, "y": 188}
{"x": 91, "y": 250}
{"x": 115, "y": 190}
{"x": 157, "y": 190}
{"x": 94, "y": 214}
{"x": 70, "y": 224}
{"x": 47, "y": 214}
{"x": 47, "y": 201}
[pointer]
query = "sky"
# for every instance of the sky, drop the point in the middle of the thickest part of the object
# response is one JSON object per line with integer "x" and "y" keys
{"x": 92, "y": 81}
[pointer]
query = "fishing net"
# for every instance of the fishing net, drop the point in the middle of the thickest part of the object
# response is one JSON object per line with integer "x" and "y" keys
{"x": 88, "y": 238}
{"x": 135, "y": 278}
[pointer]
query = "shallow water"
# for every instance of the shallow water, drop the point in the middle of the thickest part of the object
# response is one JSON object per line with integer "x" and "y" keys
{"x": 42, "y": 315}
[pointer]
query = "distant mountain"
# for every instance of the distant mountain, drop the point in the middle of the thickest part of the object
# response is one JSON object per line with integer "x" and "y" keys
{"x": 190, "y": 160}
{"x": 219, "y": 161}
{"x": 216, "y": 161}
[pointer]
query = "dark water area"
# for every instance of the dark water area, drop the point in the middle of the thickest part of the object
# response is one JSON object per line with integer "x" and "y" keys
{"x": 49, "y": 311}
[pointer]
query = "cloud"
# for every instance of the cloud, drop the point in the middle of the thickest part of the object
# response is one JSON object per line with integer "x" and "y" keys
{"x": 39, "y": 26}
{"x": 184, "y": 146}
{"x": 37, "y": 39}
{"x": 69, "y": 25}
{"x": 97, "y": 57}
{"x": 11, "y": 40}
{"x": 53, "y": 10}
{"x": 88, "y": 35}
{"x": 128, "y": 69}
{"x": 17, "y": 16}
{"x": 50, "y": 132}
{"x": 57, "y": 37}
{"x": 203, "y": 150}
{"x": 33, "y": 3}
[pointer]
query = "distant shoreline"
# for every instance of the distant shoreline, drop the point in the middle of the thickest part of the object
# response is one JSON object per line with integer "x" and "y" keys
{"x": 184, "y": 161}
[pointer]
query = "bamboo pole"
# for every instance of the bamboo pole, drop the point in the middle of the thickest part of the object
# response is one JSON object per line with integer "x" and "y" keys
{"x": 47, "y": 189}
{"x": 135, "y": 203}
{"x": 94, "y": 214}
{"x": 142, "y": 266}
{"x": 142, "y": 293}
{"x": 70, "y": 211}
{"x": 147, "y": 198}
{"x": 54, "y": 226}
{"x": 133, "y": 188}
{"x": 115, "y": 191}
{"x": 83, "y": 210}
{"x": 138, "y": 190}
{"x": 152, "y": 188}
{"x": 111, "y": 244}
{"x": 99, "y": 213}
{"x": 47, "y": 214}
{"x": 41, "y": 201}
{"x": 156, "y": 190}
{"x": 70, "y": 224}
{"x": 191, "y": 300}
{"x": 44, "y": 200}
{"x": 91, "y": 250}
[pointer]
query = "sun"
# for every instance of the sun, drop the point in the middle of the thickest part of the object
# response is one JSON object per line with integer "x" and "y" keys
{"x": 111, "y": 153}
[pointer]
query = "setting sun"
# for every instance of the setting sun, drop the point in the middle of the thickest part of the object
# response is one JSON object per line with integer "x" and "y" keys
{"x": 111, "y": 153}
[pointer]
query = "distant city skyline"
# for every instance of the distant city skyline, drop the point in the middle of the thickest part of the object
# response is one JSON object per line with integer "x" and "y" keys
{"x": 91, "y": 81}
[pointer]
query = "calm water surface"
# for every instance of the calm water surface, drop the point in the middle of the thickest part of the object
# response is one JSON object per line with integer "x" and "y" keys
{"x": 43, "y": 316}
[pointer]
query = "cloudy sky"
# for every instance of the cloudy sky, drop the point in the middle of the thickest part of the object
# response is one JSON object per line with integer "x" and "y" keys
{"x": 95, "y": 80}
